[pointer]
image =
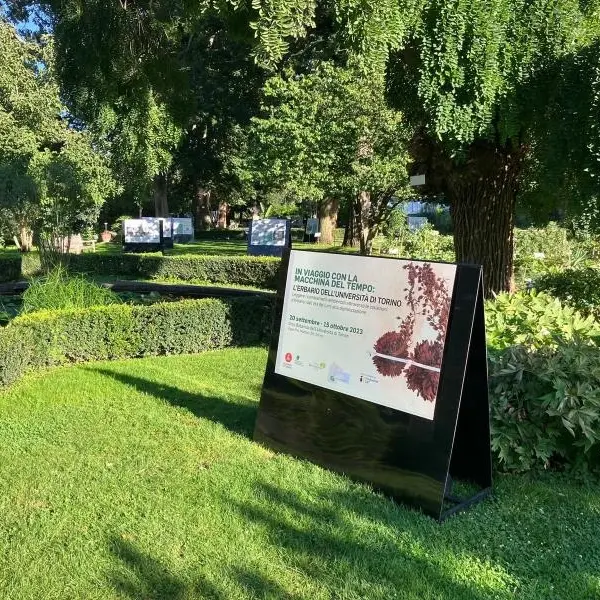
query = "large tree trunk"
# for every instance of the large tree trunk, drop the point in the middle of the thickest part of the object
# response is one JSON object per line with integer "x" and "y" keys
{"x": 222, "y": 218}
{"x": 327, "y": 212}
{"x": 203, "y": 219}
{"x": 366, "y": 229}
{"x": 351, "y": 229}
{"x": 161, "y": 206}
{"x": 25, "y": 238}
{"x": 482, "y": 196}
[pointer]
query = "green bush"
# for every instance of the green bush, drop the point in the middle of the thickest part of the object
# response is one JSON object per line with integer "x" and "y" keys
{"x": 579, "y": 288}
{"x": 31, "y": 265}
{"x": 544, "y": 365}
{"x": 48, "y": 338}
{"x": 61, "y": 291}
{"x": 16, "y": 349}
{"x": 238, "y": 270}
{"x": 546, "y": 406}
{"x": 10, "y": 268}
{"x": 539, "y": 251}
{"x": 534, "y": 320}
{"x": 396, "y": 227}
{"x": 426, "y": 243}
{"x": 255, "y": 271}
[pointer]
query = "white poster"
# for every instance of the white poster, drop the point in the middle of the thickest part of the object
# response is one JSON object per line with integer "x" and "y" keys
{"x": 416, "y": 223}
{"x": 312, "y": 226}
{"x": 167, "y": 224}
{"x": 141, "y": 231}
{"x": 268, "y": 232}
{"x": 182, "y": 226}
{"x": 372, "y": 328}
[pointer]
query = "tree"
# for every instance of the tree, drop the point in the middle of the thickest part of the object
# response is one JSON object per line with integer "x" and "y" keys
{"x": 115, "y": 62}
{"x": 486, "y": 85}
{"x": 328, "y": 135}
{"x": 477, "y": 80}
{"x": 140, "y": 138}
{"x": 51, "y": 177}
{"x": 72, "y": 185}
{"x": 29, "y": 109}
{"x": 224, "y": 86}
{"x": 480, "y": 79}
{"x": 164, "y": 83}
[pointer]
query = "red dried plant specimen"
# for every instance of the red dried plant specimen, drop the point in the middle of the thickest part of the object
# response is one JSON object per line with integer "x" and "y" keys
{"x": 420, "y": 380}
{"x": 396, "y": 344}
{"x": 427, "y": 295}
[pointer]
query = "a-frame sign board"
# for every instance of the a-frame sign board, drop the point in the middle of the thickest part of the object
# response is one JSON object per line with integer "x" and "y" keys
{"x": 368, "y": 421}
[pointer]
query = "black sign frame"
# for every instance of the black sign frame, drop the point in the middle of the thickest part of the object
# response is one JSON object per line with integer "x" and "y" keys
{"x": 270, "y": 250}
{"x": 141, "y": 247}
{"x": 412, "y": 459}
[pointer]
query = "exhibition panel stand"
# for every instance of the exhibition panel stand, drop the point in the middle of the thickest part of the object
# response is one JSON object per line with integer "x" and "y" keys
{"x": 269, "y": 237}
{"x": 378, "y": 369}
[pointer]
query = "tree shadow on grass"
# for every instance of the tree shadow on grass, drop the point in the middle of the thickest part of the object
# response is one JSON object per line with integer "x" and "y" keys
{"x": 334, "y": 541}
{"x": 235, "y": 413}
{"x": 411, "y": 553}
{"x": 140, "y": 576}
{"x": 323, "y": 544}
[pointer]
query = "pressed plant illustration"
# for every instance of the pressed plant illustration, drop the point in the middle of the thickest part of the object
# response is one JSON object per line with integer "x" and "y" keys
{"x": 397, "y": 353}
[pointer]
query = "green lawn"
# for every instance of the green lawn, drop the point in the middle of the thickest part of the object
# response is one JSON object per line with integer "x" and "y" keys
{"x": 140, "y": 480}
{"x": 221, "y": 247}
{"x": 239, "y": 247}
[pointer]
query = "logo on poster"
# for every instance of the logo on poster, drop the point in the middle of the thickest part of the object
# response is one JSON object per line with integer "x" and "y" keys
{"x": 288, "y": 357}
{"x": 338, "y": 375}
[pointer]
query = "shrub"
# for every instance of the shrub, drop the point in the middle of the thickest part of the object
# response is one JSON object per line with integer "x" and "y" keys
{"x": 59, "y": 290}
{"x": 238, "y": 270}
{"x": 261, "y": 272}
{"x": 426, "y": 243}
{"x": 31, "y": 265}
{"x": 539, "y": 251}
{"x": 47, "y": 338}
{"x": 396, "y": 227}
{"x": 534, "y": 320}
{"x": 546, "y": 406}
{"x": 16, "y": 347}
{"x": 10, "y": 268}
{"x": 579, "y": 288}
{"x": 544, "y": 364}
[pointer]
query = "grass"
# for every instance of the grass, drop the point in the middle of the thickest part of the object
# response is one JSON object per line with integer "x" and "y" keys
{"x": 59, "y": 291}
{"x": 139, "y": 480}
{"x": 221, "y": 247}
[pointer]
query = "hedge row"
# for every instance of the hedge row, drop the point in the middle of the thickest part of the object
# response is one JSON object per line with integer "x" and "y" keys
{"x": 119, "y": 331}
{"x": 237, "y": 270}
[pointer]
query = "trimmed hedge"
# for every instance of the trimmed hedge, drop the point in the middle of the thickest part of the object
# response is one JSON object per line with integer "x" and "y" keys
{"x": 256, "y": 271}
{"x": 51, "y": 338}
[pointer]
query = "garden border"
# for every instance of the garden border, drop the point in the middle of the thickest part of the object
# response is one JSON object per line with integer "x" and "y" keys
{"x": 260, "y": 272}
{"x": 51, "y": 338}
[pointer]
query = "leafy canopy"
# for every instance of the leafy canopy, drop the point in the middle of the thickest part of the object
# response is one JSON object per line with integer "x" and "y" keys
{"x": 329, "y": 133}
{"x": 49, "y": 172}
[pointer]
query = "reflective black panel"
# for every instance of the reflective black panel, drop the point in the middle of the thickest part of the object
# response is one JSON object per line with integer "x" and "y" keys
{"x": 412, "y": 459}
